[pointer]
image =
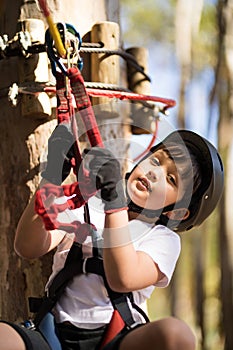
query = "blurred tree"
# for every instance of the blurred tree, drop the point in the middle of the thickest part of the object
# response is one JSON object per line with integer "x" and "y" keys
{"x": 223, "y": 92}
{"x": 200, "y": 35}
{"x": 146, "y": 21}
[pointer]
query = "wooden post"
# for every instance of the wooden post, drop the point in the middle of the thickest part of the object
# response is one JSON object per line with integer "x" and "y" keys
{"x": 105, "y": 69}
{"x": 110, "y": 114}
{"x": 34, "y": 69}
{"x": 23, "y": 143}
{"x": 142, "y": 117}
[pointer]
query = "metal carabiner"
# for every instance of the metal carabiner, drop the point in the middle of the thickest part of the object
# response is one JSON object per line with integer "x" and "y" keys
{"x": 53, "y": 55}
{"x": 75, "y": 43}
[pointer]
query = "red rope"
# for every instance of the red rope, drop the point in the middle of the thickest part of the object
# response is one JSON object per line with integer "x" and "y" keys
{"x": 78, "y": 192}
{"x": 122, "y": 95}
{"x": 152, "y": 141}
{"x": 44, "y": 7}
{"x": 66, "y": 111}
{"x": 131, "y": 96}
{"x": 84, "y": 107}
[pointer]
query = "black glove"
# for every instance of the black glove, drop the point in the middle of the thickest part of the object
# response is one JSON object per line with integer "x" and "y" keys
{"x": 105, "y": 172}
{"x": 60, "y": 153}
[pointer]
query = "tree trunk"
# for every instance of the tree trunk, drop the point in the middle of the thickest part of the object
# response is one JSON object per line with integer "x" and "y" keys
{"x": 222, "y": 91}
{"x": 24, "y": 137}
{"x": 225, "y": 137}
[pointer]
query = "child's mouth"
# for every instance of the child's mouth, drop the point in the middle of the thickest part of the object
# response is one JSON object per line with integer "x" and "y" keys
{"x": 145, "y": 183}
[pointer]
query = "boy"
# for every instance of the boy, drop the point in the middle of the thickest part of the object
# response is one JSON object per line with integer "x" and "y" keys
{"x": 175, "y": 187}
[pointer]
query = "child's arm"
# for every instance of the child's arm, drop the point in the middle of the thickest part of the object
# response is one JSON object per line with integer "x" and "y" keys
{"x": 31, "y": 239}
{"x": 126, "y": 269}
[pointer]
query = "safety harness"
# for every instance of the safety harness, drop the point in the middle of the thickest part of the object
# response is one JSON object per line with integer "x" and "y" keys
{"x": 69, "y": 84}
{"x": 76, "y": 265}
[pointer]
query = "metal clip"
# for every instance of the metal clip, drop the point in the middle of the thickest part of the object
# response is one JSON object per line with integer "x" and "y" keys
{"x": 25, "y": 42}
{"x": 13, "y": 94}
{"x": 3, "y": 44}
{"x": 29, "y": 324}
{"x": 71, "y": 40}
{"x": 134, "y": 325}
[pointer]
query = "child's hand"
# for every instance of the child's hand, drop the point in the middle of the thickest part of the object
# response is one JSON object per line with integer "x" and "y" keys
{"x": 105, "y": 172}
{"x": 60, "y": 153}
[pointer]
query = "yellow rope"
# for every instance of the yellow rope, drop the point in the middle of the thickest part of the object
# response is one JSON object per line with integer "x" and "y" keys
{"x": 56, "y": 36}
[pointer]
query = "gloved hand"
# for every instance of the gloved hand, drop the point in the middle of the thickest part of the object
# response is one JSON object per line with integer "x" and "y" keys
{"x": 105, "y": 173}
{"x": 60, "y": 153}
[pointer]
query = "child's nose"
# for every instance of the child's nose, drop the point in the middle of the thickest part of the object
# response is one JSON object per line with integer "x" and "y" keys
{"x": 152, "y": 176}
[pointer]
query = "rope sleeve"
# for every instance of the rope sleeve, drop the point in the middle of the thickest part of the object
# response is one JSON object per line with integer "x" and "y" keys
{"x": 78, "y": 193}
{"x": 83, "y": 104}
{"x": 64, "y": 99}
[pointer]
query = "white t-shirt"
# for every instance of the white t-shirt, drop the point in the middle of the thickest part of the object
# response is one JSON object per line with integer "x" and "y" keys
{"x": 85, "y": 302}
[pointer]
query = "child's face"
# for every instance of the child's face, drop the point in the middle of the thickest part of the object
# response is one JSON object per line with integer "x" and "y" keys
{"x": 155, "y": 182}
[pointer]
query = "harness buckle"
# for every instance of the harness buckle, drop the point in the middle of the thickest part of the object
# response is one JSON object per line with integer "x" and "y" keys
{"x": 84, "y": 266}
{"x": 134, "y": 325}
{"x": 29, "y": 324}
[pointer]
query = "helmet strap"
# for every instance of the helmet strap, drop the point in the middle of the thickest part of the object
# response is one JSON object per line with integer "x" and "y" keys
{"x": 149, "y": 213}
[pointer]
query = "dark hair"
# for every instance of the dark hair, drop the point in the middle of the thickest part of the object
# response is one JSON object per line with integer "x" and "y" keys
{"x": 186, "y": 163}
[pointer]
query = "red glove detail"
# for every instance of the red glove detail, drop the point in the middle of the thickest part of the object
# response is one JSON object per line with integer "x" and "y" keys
{"x": 49, "y": 211}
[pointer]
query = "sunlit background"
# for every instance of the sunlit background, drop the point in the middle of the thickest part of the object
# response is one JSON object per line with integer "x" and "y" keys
{"x": 187, "y": 63}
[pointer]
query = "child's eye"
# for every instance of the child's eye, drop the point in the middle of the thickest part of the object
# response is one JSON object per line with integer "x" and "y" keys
{"x": 172, "y": 179}
{"x": 155, "y": 161}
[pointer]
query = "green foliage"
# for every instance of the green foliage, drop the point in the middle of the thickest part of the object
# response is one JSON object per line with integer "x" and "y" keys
{"x": 150, "y": 20}
{"x": 198, "y": 274}
{"x": 205, "y": 43}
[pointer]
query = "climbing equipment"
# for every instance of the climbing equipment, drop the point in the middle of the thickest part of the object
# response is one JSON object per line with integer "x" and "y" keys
{"x": 21, "y": 45}
{"x": 70, "y": 82}
{"x": 75, "y": 265}
{"x": 206, "y": 197}
{"x": 53, "y": 28}
{"x": 78, "y": 198}
{"x": 73, "y": 39}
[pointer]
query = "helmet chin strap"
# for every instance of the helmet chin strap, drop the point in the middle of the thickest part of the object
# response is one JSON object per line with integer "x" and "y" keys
{"x": 160, "y": 217}
{"x": 149, "y": 213}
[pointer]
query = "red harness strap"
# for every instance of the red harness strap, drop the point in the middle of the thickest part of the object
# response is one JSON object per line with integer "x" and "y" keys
{"x": 115, "y": 326}
{"x": 65, "y": 108}
{"x": 78, "y": 192}
{"x": 84, "y": 106}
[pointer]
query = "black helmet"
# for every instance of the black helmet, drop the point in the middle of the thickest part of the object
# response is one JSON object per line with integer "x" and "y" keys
{"x": 204, "y": 200}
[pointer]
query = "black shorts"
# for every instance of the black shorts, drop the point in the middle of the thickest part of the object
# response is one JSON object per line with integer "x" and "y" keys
{"x": 33, "y": 339}
{"x": 74, "y": 338}
{"x": 71, "y": 338}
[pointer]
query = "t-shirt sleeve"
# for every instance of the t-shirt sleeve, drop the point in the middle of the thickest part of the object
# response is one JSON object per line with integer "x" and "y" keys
{"x": 163, "y": 246}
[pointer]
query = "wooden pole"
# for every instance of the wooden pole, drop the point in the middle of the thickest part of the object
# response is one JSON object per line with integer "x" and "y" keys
{"x": 105, "y": 68}
{"x": 110, "y": 114}
{"x": 24, "y": 137}
{"x": 34, "y": 69}
{"x": 142, "y": 117}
